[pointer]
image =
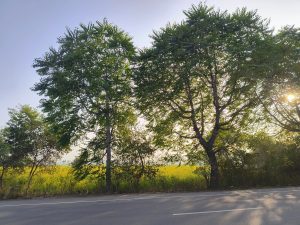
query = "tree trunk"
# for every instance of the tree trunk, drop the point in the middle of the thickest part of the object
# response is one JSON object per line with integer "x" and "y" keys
{"x": 108, "y": 160}
{"x": 1, "y": 178}
{"x": 28, "y": 184}
{"x": 214, "y": 170}
{"x": 208, "y": 145}
{"x": 214, "y": 167}
{"x": 30, "y": 176}
{"x": 108, "y": 148}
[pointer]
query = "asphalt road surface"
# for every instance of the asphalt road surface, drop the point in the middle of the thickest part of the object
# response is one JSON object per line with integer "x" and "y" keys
{"x": 253, "y": 207}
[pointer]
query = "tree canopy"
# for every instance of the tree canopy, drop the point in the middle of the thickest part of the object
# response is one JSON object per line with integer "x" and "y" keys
{"x": 280, "y": 97}
{"x": 199, "y": 86}
{"x": 27, "y": 141}
{"x": 86, "y": 87}
{"x": 200, "y": 77}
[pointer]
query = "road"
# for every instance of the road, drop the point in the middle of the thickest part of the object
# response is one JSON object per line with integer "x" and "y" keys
{"x": 247, "y": 207}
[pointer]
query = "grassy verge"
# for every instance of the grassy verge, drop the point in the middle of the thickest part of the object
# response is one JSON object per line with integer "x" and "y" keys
{"x": 59, "y": 180}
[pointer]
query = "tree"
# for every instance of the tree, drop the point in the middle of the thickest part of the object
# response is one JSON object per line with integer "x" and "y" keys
{"x": 87, "y": 88}
{"x": 31, "y": 142}
{"x": 200, "y": 77}
{"x": 14, "y": 143}
{"x": 281, "y": 96}
{"x": 5, "y": 157}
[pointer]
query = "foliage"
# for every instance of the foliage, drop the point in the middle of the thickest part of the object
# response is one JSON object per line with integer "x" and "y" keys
{"x": 206, "y": 90}
{"x": 135, "y": 159}
{"x": 281, "y": 91}
{"x": 86, "y": 88}
{"x": 200, "y": 77}
{"x": 60, "y": 180}
{"x": 268, "y": 161}
{"x": 30, "y": 141}
{"x": 5, "y": 150}
{"x": 5, "y": 157}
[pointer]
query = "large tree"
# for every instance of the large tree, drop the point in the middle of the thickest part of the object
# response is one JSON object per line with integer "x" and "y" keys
{"x": 200, "y": 76}
{"x": 86, "y": 85}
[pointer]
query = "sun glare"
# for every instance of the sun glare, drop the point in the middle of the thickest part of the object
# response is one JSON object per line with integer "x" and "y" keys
{"x": 291, "y": 97}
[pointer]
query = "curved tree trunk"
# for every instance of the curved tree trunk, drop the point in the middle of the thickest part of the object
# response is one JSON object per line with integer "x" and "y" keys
{"x": 212, "y": 158}
{"x": 33, "y": 169}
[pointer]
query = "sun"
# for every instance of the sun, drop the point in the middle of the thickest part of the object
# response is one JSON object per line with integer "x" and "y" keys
{"x": 290, "y": 97}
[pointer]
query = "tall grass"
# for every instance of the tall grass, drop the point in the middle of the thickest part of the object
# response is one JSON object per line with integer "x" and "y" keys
{"x": 60, "y": 180}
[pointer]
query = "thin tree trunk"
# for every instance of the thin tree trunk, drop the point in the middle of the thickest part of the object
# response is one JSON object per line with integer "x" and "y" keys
{"x": 108, "y": 147}
{"x": 108, "y": 159}
{"x": 31, "y": 174}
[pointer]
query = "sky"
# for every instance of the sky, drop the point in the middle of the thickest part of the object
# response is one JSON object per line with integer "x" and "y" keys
{"x": 29, "y": 28}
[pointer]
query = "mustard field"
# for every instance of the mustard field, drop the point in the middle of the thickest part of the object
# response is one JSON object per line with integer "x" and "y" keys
{"x": 60, "y": 180}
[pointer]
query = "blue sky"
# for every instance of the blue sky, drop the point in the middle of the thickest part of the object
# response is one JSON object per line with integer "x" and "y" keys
{"x": 30, "y": 27}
